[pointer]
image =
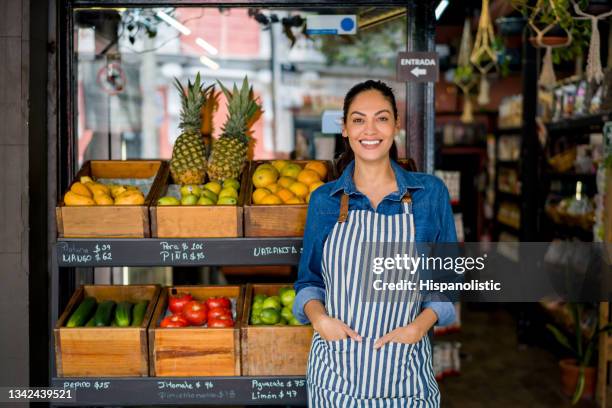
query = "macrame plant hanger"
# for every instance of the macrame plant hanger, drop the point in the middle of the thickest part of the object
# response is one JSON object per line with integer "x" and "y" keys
{"x": 593, "y": 69}
{"x": 483, "y": 57}
{"x": 547, "y": 76}
{"x": 464, "y": 62}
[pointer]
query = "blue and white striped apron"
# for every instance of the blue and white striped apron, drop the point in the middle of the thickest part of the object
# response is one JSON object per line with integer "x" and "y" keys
{"x": 347, "y": 373}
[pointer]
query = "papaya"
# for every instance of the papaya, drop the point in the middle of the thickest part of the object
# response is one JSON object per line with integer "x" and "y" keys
{"x": 103, "y": 199}
{"x": 96, "y": 188}
{"x": 86, "y": 179}
{"x": 80, "y": 189}
{"x": 130, "y": 198}
{"x": 116, "y": 190}
{"x": 72, "y": 199}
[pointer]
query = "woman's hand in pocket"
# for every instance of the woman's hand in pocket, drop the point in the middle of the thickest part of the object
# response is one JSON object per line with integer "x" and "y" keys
{"x": 332, "y": 329}
{"x": 410, "y": 334}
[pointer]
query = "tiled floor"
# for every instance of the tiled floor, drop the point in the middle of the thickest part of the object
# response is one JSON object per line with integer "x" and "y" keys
{"x": 497, "y": 373}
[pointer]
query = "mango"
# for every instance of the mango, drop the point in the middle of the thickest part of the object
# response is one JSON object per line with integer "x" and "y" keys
{"x": 80, "y": 189}
{"x": 103, "y": 199}
{"x": 168, "y": 200}
{"x": 130, "y": 197}
{"x": 117, "y": 190}
{"x": 97, "y": 188}
{"x": 73, "y": 199}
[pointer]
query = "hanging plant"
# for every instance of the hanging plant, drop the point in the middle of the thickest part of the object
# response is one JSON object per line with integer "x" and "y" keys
{"x": 593, "y": 71}
{"x": 464, "y": 76}
{"x": 483, "y": 56}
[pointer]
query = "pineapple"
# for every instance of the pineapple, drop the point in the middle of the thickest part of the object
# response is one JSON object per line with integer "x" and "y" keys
{"x": 206, "y": 113}
{"x": 188, "y": 163}
{"x": 229, "y": 152}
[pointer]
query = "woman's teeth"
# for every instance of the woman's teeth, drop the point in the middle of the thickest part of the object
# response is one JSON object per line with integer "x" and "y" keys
{"x": 369, "y": 142}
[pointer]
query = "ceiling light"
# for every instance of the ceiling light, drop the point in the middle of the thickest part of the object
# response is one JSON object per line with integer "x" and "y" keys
{"x": 207, "y": 46}
{"x": 173, "y": 22}
{"x": 209, "y": 63}
{"x": 440, "y": 8}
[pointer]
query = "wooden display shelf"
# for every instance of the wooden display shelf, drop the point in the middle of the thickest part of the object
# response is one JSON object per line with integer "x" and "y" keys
{"x": 197, "y": 221}
{"x": 113, "y": 221}
{"x": 291, "y": 343}
{"x": 104, "y": 351}
{"x": 196, "y": 351}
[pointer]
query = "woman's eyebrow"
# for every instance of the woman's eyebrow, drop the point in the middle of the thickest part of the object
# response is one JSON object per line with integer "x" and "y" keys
{"x": 382, "y": 111}
{"x": 357, "y": 113}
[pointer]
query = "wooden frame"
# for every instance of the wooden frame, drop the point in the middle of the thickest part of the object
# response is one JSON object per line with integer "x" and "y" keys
{"x": 105, "y": 351}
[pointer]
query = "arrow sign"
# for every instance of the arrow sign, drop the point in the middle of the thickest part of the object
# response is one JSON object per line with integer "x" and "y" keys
{"x": 417, "y": 66}
{"x": 417, "y": 72}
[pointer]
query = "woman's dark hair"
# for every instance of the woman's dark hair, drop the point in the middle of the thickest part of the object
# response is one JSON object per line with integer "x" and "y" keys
{"x": 348, "y": 155}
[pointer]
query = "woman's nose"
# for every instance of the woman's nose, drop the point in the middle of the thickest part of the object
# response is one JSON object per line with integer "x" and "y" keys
{"x": 370, "y": 126}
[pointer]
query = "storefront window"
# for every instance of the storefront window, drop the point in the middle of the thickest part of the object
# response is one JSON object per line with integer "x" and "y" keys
{"x": 127, "y": 59}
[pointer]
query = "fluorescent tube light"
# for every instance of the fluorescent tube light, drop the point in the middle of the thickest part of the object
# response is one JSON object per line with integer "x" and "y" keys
{"x": 209, "y": 63}
{"x": 440, "y": 8}
{"x": 207, "y": 46}
{"x": 173, "y": 22}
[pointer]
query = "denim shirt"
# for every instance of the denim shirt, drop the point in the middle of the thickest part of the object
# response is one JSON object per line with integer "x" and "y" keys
{"x": 433, "y": 220}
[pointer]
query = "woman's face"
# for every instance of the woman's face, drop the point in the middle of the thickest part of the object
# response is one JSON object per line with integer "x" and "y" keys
{"x": 370, "y": 126}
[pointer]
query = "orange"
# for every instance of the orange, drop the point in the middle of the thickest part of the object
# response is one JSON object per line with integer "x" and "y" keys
{"x": 273, "y": 188}
{"x": 285, "y": 194}
{"x": 299, "y": 189}
{"x": 315, "y": 185}
{"x": 319, "y": 167}
{"x": 264, "y": 177}
{"x": 259, "y": 194}
{"x": 285, "y": 181}
{"x": 308, "y": 177}
{"x": 294, "y": 200}
{"x": 271, "y": 199}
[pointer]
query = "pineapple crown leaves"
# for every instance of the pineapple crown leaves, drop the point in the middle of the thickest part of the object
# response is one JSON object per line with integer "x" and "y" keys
{"x": 242, "y": 108}
{"x": 192, "y": 100}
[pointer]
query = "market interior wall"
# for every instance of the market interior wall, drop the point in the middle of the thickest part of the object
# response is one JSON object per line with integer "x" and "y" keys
{"x": 14, "y": 202}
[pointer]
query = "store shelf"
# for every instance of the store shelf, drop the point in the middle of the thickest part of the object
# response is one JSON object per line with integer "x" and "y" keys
{"x": 285, "y": 390}
{"x": 464, "y": 150}
{"x": 589, "y": 123}
{"x": 508, "y": 195}
{"x": 572, "y": 175}
{"x": 508, "y": 162}
{"x": 178, "y": 252}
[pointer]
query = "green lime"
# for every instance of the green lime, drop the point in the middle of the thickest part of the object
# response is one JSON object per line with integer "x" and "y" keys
{"x": 294, "y": 322}
{"x": 259, "y": 298}
{"x": 270, "y": 316}
{"x": 255, "y": 320}
{"x": 286, "y": 313}
{"x": 272, "y": 303}
{"x": 256, "y": 308}
{"x": 283, "y": 290}
{"x": 282, "y": 322}
{"x": 287, "y": 297}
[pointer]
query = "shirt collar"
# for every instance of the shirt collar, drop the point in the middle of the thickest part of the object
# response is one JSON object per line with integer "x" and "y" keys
{"x": 405, "y": 180}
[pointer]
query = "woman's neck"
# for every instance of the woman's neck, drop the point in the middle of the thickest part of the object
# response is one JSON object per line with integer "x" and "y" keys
{"x": 374, "y": 179}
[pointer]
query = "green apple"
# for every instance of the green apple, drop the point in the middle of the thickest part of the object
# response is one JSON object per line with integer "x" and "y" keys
{"x": 205, "y": 201}
{"x": 168, "y": 200}
{"x": 228, "y": 192}
{"x": 233, "y": 183}
{"x": 227, "y": 201}
{"x": 213, "y": 186}
{"x": 210, "y": 194}
{"x": 191, "y": 189}
{"x": 189, "y": 199}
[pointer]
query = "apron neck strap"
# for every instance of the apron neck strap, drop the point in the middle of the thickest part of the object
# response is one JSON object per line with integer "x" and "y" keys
{"x": 344, "y": 207}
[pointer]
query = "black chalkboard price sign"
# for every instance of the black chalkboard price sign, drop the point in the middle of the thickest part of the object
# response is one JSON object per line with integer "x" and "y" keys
{"x": 178, "y": 252}
{"x": 187, "y": 391}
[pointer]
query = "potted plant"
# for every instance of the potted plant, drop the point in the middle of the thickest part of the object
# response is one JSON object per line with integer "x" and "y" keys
{"x": 578, "y": 373}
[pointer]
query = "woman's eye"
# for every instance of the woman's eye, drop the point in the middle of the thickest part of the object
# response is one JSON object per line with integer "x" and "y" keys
{"x": 357, "y": 120}
{"x": 383, "y": 119}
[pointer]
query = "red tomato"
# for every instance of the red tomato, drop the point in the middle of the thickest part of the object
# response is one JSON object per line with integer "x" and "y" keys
{"x": 177, "y": 302}
{"x": 195, "y": 312}
{"x": 217, "y": 312}
{"x": 222, "y": 321}
{"x": 215, "y": 302}
{"x": 174, "y": 321}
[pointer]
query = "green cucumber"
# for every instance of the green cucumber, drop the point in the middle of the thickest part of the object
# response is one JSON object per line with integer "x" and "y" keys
{"x": 104, "y": 313}
{"x": 82, "y": 313}
{"x": 123, "y": 314}
{"x": 138, "y": 313}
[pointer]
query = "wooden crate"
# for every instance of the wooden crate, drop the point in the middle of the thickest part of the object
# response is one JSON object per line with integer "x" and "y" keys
{"x": 105, "y": 351}
{"x": 116, "y": 221}
{"x": 272, "y": 350}
{"x": 196, "y": 351}
{"x": 281, "y": 220}
{"x": 197, "y": 221}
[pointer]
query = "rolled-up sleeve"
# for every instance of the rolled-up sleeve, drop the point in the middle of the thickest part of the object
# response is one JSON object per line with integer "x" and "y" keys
{"x": 309, "y": 284}
{"x": 440, "y": 304}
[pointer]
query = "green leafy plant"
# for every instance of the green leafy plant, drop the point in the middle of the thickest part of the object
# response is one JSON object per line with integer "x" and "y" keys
{"x": 583, "y": 347}
{"x": 579, "y": 29}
